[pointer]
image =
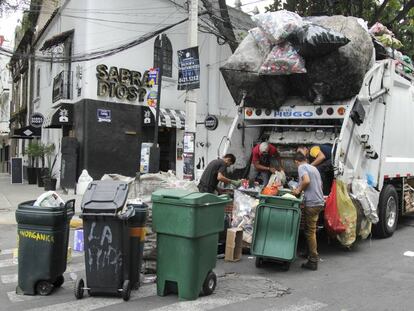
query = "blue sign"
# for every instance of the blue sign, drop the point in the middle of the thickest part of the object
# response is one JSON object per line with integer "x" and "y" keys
{"x": 188, "y": 69}
{"x": 104, "y": 115}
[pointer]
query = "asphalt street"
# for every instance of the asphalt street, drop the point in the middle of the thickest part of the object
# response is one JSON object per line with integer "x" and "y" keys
{"x": 373, "y": 275}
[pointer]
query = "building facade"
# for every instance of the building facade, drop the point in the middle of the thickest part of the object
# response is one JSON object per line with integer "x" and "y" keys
{"x": 93, "y": 81}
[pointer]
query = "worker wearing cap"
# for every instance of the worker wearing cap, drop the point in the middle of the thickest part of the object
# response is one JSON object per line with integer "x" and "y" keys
{"x": 262, "y": 155}
{"x": 320, "y": 157}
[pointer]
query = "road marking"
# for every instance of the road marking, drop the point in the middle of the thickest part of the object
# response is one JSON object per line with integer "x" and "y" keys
{"x": 304, "y": 304}
{"x": 93, "y": 303}
{"x": 13, "y": 278}
{"x": 201, "y": 304}
{"x": 8, "y": 262}
{"x": 7, "y": 251}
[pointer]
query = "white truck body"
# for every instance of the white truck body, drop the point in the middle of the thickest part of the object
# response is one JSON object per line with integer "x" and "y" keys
{"x": 382, "y": 146}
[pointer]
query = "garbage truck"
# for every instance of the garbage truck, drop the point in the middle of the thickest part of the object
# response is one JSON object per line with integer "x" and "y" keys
{"x": 370, "y": 134}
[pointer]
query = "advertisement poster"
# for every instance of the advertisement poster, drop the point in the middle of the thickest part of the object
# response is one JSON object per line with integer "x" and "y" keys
{"x": 188, "y": 169}
{"x": 188, "y": 69}
{"x": 152, "y": 99}
{"x": 189, "y": 143}
{"x": 152, "y": 76}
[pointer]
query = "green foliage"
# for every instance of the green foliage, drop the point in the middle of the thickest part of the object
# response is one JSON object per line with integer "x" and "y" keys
{"x": 397, "y": 15}
{"x": 34, "y": 151}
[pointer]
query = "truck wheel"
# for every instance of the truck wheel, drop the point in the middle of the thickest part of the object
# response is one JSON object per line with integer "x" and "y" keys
{"x": 44, "y": 288}
{"x": 387, "y": 213}
{"x": 209, "y": 284}
{"x": 126, "y": 290}
{"x": 78, "y": 289}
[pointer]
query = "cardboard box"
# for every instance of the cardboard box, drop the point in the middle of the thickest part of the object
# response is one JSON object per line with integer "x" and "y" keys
{"x": 234, "y": 243}
{"x": 78, "y": 244}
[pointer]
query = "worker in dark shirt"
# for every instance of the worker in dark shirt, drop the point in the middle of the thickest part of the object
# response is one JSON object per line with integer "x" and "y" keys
{"x": 262, "y": 155}
{"x": 214, "y": 173}
{"x": 320, "y": 157}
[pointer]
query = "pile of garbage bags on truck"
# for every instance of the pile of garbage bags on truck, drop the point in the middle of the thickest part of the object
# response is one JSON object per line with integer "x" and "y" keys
{"x": 322, "y": 59}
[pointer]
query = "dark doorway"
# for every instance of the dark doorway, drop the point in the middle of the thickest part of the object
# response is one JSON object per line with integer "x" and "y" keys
{"x": 167, "y": 141}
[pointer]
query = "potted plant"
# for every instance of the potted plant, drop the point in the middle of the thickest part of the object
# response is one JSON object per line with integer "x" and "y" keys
{"x": 33, "y": 152}
{"x": 45, "y": 151}
{"x": 49, "y": 178}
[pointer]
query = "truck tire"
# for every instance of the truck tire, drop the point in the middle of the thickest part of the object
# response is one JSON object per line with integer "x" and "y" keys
{"x": 387, "y": 213}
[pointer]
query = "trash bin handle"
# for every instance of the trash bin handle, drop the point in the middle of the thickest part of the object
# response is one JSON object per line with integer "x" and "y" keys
{"x": 98, "y": 214}
{"x": 72, "y": 204}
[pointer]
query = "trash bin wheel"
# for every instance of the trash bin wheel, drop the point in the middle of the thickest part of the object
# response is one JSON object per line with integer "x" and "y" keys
{"x": 126, "y": 290}
{"x": 44, "y": 288}
{"x": 259, "y": 262}
{"x": 78, "y": 289}
{"x": 59, "y": 281}
{"x": 209, "y": 284}
{"x": 285, "y": 266}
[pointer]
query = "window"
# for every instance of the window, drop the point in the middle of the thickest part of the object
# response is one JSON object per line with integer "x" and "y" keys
{"x": 168, "y": 56}
{"x": 38, "y": 82}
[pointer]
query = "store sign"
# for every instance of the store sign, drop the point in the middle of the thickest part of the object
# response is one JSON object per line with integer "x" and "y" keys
{"x": 123, "y": 83}
{"x": 211, "y": 122}
{"x": 63, "y": 115}
{"x": 36, "y": 119}
{"x": 104, "y": 115}
{"x": 188, "y": 69}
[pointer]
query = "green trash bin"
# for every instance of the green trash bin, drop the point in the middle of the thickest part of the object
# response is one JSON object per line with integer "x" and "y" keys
{"x": 276, "y": 229}
{"x": 187, "y": 226}
{"x": 43, "y": 234}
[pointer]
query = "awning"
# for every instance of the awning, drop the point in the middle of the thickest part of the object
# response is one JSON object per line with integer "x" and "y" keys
{"x": 59, "y": 116}
{"x": 168, "y": 117}
{"x": 27, "y": 132}
{"x": 57, "y": 39}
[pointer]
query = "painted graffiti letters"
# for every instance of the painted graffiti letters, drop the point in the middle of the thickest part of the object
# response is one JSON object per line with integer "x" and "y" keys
{"x": 101, "y": 251}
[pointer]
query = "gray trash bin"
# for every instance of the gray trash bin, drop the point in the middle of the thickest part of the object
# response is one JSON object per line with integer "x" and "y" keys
{"x": 107, "y": 240}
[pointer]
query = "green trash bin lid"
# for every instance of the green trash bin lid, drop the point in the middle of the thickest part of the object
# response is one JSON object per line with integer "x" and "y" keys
{"x": 187, "y": 198}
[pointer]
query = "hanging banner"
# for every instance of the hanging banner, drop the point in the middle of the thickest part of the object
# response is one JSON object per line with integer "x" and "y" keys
{"x": 188, "y": 69}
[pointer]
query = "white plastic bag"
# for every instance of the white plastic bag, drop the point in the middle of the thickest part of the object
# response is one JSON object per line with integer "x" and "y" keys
{"x": 49, "y": 199}
{"x": 368, "y": 197}
{"x": 278, "y": 25}
{"x": 84, "y": 180}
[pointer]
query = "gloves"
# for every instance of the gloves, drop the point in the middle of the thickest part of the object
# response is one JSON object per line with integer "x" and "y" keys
{"x": 236, "y": 183}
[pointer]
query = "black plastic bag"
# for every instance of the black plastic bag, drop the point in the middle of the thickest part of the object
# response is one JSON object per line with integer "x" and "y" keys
{"x": 313, "y": 40}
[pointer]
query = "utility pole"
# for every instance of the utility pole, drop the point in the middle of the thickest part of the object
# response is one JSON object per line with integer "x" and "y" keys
{"x": 154, "y": 165}
{"x": 191, "y": 95}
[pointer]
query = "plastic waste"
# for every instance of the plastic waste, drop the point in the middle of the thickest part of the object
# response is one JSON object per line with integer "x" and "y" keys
{"x": 379, "y": 29}
{"x": 83, "y": 182}
{"x": 49, "y": 199}
{"x": 262, "y": 41}
{"x": 283, "y": 60}
{"x": 278, "y": 25}
{"x": 313, "y": 40}
{"x": 293, "y": 184}
{"x": 368, "y": 197}
{"x": 389, "y": 41}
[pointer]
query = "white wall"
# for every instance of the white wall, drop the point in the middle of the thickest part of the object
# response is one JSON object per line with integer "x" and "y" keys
{"x": 135, "y": 18}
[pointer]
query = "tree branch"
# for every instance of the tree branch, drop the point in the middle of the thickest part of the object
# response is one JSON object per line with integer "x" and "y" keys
{"x": 407, "y": 7}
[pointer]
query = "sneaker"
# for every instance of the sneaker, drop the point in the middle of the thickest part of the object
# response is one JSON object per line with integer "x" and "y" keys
{"x": 310, "y": 265}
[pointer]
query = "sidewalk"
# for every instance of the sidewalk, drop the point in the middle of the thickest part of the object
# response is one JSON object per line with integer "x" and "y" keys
{"x": 13, "y": 194}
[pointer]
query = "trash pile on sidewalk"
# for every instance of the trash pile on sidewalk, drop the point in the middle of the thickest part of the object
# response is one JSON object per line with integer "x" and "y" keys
{"x": 287, "y": 55}
{"x": 143, "y": 188}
